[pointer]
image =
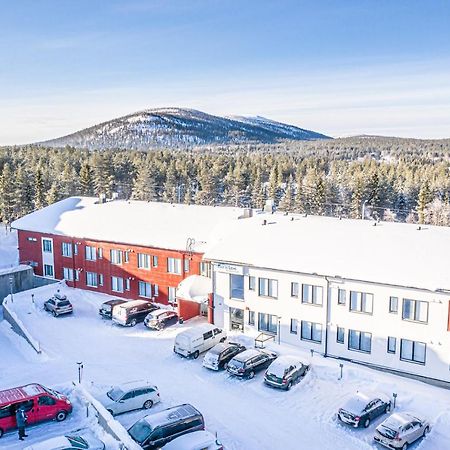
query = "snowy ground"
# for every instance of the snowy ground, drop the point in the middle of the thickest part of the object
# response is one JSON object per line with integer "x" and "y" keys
{"x": 245, "y": 414}
{"x": 9, "y": 256}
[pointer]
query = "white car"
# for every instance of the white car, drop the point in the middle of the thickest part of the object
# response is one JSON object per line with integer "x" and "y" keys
{"x": 130, "y": 396}
{"x": 197, "y": 440}
{"x": 75, "y": 442}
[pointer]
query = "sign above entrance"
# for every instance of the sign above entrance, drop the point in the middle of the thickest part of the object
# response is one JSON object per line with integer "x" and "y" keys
{"x": 230, "y": 268}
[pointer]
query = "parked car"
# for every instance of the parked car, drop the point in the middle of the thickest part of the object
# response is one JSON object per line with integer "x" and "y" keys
{"x": 360, "y": 409}
{"x": 219, "y": 356}
{"x": 161, "y": 318}
{"x": 132, "y": 312}
{"x": 247, "y": 363}
{"x": 285, "y": 371}
{"x": 400, "y": 430}
{"x": 107, "y": 308}
{"x": 197, "y": 440}
{"x": 130, "y": 396}
{"x": 58, "y": 305}
{"x": 196, "y": 340}
{"x": 39, "y": 403}
{"x": 73, "y": 442}
{"x": 158, "y": 429}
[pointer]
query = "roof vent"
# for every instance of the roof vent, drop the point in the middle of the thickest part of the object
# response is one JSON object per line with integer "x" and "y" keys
{"x": 374, "y": 224}
{"x": 264, "y": 222}
{"x": 102, "y": 198}
{"x": 292, "y": 218}
{"x": 419, "y": 228}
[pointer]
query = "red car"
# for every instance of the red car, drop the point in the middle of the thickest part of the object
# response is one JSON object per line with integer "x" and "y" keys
{"x": 39, "y": 403}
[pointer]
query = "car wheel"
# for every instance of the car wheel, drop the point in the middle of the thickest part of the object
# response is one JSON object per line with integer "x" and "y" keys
{"x": 195, "y": 354}
{"x": 61, "y": 416}
{"x": 133, "y": 323}
{"x": 388, "y": 408}
{"x": 54, "y": 314}
{"x": 223, "y": 339}
{"x": 366, "y": 423}
{"x": 289, "y": 385}
{"x": 251, "y": 374}
{"x": 405, "y": 446}
{"x": 148, "y": 404}
{"x": 426, "y": 431}
{"x": 1, "y": 432}
{"x": 110, "y": 411}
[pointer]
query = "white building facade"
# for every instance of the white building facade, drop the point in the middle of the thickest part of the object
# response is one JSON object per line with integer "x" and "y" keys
{"x": 399, "y": 328}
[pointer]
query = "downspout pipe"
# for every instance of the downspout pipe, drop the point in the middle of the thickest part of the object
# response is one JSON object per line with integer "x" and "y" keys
{"x": 327, "y": 319}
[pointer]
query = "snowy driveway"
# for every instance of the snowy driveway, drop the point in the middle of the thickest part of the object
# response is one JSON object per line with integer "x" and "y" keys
{"x": 245, "y": 413}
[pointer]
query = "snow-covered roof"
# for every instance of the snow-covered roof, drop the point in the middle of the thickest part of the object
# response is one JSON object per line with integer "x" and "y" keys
{"x": 129, "y": 385}
{"x": 197, "y": 330}
{"x": 148, "y": 224}
{"x": 283, "y": 362}
{"x": 195, "y": 288}
{"x": 195, "y": 440}
{"x": 389, "y": 253}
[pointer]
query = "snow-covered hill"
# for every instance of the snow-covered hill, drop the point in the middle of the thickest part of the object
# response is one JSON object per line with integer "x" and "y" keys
{"x": 180, "y": 128}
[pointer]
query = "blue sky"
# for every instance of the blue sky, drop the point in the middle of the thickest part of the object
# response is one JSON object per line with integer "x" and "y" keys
{"x": 340, "y": 67}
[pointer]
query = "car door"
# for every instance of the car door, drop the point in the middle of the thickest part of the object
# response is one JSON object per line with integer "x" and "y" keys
{"x": 126, "y": 402}
{"x": 172, "y": 319}
{"x": 45, "y": 408}
{"x": 29, "y": 406}
{"x": 416, "y": 430}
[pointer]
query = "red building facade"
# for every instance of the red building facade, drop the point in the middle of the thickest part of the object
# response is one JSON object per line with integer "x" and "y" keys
{"x": 119, "y": 269}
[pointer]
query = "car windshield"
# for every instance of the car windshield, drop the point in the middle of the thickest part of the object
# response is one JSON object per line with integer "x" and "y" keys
{"x": 140, "y": 431}
{"x": 52, "y": 392}
{"x": 106, "y": 307}
{"x": 64, "y": 303}
{"x": 115, "y": 394}
{"x": 388, "y": 432}
{"x": 77, "y": 442}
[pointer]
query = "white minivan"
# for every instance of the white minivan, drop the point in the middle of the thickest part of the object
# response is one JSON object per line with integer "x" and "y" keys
{"x": 192, "y": 342}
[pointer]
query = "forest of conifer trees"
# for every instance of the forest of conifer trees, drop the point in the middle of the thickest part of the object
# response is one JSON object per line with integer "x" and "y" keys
{"x": 391, "y": 179}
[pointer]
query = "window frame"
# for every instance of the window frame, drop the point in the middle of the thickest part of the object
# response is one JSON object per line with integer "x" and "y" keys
{"x": 49, "y": 275}
{"x": 44, "y": 246}
{"x": 311, "y": 338}
{"x": 391, "y": 309}
{"x": 67, "y": 250}
{"x": 339, "y": 297}
{"x": 91, "y": 276}
{"x": 174, "y": 265}
{"x": 293, "y": 329}
{"x": 113, "y": 287}
{"x": 146, "y": 285}
{"x": 312, "y": 290}
{"x": 69, "y": 271}
{"x": 340, "y": 335}
{"x": 144, "y": 261}
{"x": 360, "y": 301}
{"x": 267, "y": 284}
{"x": 241, "y": 290}
{"x": 413, "y": 361}
{"x": 269, "y": 323}
{"x": 414, "y": 309}
{"x": 391, "y": 339}
{"x": 359, "y": 349}
{"x": 90, "y": 253}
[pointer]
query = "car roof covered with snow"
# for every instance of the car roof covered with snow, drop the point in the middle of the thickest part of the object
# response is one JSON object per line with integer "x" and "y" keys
{"x": 129, "y": 385}
{"x": 170, "y": 415}
{"x": 132, "y": 304}
{"x": 247, "y": 354}
{"x": 69, "y": 442}
{"x": 282, "y": 363}
{"x": 159, "y": 312}
{"x": 20, "y": 393}
{"x": 397, "y": 420}
{"x": 358, "y": 401}
{"x": 197, "y": 440}
{"x": 195, "y": 331}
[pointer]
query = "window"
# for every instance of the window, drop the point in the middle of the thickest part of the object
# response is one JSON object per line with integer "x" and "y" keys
{"x": 77, "y": 275}
{"x": 91, "y": 279}
{"x": 156, "y": 290}
{"x": 294, "y": 326}
{"x": 361, "y": 302}
{"x": 237, "y": 286}
{"x": 342, "y": 296}
{"x": 205, "y": 269}
{"x": 172, "y": 295}
{"x": 100, "y": 279}
{"x": 268, "y": 288}
{"x": 48, "y": 270}
{"x": 311, "y": 331}
{"x": 294, "y": 290}
{"x": 68, "y": 274}
{"x": 31, "y": 239}
{"x": 267, "y": 323}
{"x": 393, "y": 305}
{"x": 359, "y": 341}
{"x": 415, "y": 310}
{"x": 391, "y": 344}
{"x": 174, "y": 265}
{"x": 116, "y": 256}
{"x": 75, "y": 249}
{"x": 126, "y": 256}
{"x": 66, "y": 249}
{"x": 340, "y": 335}
{"x": 311, "y": 294}
{"x": 154, "y": 261}
{"x": 117, "y": 284}
{"x": 46, "y": 400}
{"x": 47, "y": 245}
{"x": 100, "y": 253}
{"x": 251, "y": 317}
{"x": 145, "y": 289}
{"x": 127, "y": 284}
{"x": 186, "y": 265}
{"x": 251, "y": 283}
{"x": 143, "y": 261}
{"x": 91, "y": 253}
{"x": 413, "y": 351}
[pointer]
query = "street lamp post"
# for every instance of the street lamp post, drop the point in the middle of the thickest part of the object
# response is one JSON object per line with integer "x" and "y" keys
{"x": 80, "y": 371}
{"x": 11, "y": 281}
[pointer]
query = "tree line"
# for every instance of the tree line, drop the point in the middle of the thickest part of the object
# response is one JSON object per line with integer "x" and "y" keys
{"x": 382, "y": 178}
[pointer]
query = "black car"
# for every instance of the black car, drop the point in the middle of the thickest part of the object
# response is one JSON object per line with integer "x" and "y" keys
{"x": 360, "y": 409}
{"x": 161, "y": 318}
{"x": 156, "y": 430}
{"x": 285, "y": 371}
{"x": 106, "y": 309}
{"x": 247, "y": 363}
{"x": 132, "y": 312}
{"x": 219, "y": 356}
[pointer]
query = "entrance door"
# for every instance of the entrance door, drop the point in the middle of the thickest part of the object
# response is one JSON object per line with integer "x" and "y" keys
{"x": 236, "y": 319}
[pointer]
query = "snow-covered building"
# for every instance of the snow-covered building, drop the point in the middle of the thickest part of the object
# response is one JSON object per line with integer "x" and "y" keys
{"x": 130, "y": 249}
{"x": 375, "y": 293}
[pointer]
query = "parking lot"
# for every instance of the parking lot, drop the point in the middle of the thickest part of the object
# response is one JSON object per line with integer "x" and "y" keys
{"x": 246, "y": 414}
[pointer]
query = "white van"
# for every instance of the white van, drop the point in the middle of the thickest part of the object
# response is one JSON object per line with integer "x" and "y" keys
{"x": 192, "y": 342}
